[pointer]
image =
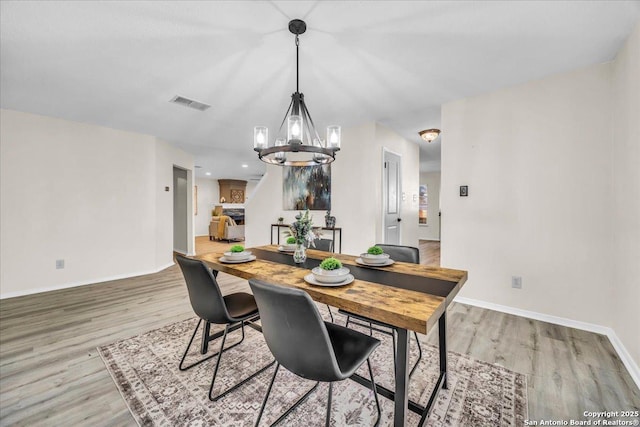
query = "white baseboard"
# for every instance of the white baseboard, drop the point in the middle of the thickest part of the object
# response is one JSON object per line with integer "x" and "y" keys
{"x": 32, "y": 291}
{"x": 618, "y": 346}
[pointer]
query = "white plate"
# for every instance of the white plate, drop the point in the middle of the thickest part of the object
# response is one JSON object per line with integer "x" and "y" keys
{"x": 236, "y": 261}
{"x": 283, "y": 249}
{"x": 384, "y": 264}
{"x": 312, "y": 280}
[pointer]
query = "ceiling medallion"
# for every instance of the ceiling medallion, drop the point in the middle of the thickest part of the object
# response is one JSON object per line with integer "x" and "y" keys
{"x": 303, "y": 145}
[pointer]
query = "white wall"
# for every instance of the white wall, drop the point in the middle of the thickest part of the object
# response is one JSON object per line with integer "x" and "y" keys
{"x": 626, "y": 193}
{"x": 167, "y": 156}
{"x": 537, "y": 160}
{"x": 356, "y": 195}
{"x": 431, "y": 231}
{"x": 82, "y": 193}
{"x": 208, "y": 198}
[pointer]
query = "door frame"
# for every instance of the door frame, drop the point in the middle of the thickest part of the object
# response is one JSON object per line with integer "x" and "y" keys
{"x": 384, "y": 196}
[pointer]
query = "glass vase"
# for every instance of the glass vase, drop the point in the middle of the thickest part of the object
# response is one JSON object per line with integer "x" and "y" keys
{"x": 300, "y": 254}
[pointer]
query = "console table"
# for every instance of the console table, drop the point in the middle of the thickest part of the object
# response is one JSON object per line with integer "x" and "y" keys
{"x": 332, "y": 230}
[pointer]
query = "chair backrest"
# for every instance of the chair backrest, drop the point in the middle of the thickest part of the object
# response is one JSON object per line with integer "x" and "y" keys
{"x": 401, "y": 253}
{"x": 294, "y": 331}
{"x": 204, "y": 292}
{"x": 323, "y": 245}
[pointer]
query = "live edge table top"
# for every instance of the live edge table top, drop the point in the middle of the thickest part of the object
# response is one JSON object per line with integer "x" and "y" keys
{"x": 409, "y": 296}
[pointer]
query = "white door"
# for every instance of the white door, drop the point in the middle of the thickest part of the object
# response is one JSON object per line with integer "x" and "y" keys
{"x": 391, "y": 192}
{"x": 180, "y": 211}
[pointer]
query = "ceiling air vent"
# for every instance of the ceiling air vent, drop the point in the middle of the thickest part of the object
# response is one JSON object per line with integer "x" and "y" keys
{"x": 185, "y": 102}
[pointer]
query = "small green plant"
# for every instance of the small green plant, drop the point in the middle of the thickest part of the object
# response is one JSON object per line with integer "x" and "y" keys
{"x": 375, "y": 250}
{"x": 330, "y": 264}
{"x": 280, "y": 219}
{"x": 237, "y": 248}
{"x": 291, "y": 240}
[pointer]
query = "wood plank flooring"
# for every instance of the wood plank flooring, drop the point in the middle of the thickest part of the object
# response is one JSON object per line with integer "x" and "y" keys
{"x": 52, "y": 375}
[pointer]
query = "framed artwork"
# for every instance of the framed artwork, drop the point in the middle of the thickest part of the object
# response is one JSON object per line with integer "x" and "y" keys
{"x": 306, "y": 187}
{"x": 423, "y": 204}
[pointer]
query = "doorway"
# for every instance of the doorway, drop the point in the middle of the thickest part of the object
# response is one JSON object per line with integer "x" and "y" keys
{"x": 391, "y": 191}
{"x": 180, "y": 211}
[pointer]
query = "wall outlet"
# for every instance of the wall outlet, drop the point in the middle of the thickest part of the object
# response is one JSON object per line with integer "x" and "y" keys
{"x": 516, "y": 282}
{"x": 59, "y": 264}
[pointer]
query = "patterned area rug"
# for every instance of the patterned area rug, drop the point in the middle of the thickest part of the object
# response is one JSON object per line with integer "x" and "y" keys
{"x": 145, "y": 369}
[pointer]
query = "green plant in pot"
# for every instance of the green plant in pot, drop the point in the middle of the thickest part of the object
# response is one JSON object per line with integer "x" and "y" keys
{"x": 374, "y": 256}
{"x": 375, "y": 250}
{"x": 330, "y": 264}
{"x": 236, "y": 253}
{"x": 330, "y": 271}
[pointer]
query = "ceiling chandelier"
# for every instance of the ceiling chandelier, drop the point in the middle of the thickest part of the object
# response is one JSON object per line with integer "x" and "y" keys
{"x": 303, "y": 145}
{"x": 429, "y": 134}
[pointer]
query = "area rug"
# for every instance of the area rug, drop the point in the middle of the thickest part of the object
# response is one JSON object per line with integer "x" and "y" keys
{"x": 145, "y": 370}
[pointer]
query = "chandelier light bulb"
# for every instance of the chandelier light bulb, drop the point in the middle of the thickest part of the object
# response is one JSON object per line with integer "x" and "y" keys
{"x": 260, "y": 137}
{"x": 295, "y": 128}
{"x": 333, "y": 136}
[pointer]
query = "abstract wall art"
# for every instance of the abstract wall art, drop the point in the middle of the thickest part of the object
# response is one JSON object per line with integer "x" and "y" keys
{"x": 307, "y": 187}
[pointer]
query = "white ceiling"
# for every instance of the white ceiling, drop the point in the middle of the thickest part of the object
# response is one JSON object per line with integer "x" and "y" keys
{"x": 117, "y": 64}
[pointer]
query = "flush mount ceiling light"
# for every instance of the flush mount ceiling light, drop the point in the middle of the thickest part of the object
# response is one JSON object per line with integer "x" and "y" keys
{"x": 302, "y": 145}
{"x": 429, "y": 134}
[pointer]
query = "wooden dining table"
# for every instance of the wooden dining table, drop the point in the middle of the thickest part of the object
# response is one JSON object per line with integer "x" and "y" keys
{"x": 405, "y": 296}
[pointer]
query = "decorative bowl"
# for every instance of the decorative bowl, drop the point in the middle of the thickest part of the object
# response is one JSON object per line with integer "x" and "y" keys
{"x": 374, "y": 259}
{"x": 237, "y": 256}
{"x": 330, "y": 276}
{"x": 289, "y": 246}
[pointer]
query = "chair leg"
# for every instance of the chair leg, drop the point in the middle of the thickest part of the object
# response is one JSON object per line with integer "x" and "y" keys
{"x": 295, "y": 405}
{"x": 330, "y": 314}
{"x": 415, "y": 334}
{"x": 266, "y": 396}
{"x": 215, "y": 371}
{"x": 375, "y": 392}
{"x": 393, "y": 338}
{"x": 184, "y": 356}
{"x": 346, "y": 325}
{"x": 329, "y": 405}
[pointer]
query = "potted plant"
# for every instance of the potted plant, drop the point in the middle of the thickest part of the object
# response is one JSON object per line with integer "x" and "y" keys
{"x": 330, "y": 271}
{"x": 280, "y": 220}
{"x": 302, "y": 231}
{"x": 236, "y": 253}
{"x": 374, "y": 255}
{"x": 290, "y": 244}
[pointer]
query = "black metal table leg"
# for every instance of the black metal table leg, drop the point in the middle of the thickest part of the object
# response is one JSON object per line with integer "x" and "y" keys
{"x": 401, "y": 398}
{"x": 442, "y": 340}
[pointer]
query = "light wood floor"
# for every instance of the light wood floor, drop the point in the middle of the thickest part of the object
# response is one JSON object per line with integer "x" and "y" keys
{"x": 52, "y": 375}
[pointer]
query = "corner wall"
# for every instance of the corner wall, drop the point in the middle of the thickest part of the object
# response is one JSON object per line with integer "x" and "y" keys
{"x": 626, "y": 194}
{"x": 90, "y": 195}
{"x": 356, "y": 197}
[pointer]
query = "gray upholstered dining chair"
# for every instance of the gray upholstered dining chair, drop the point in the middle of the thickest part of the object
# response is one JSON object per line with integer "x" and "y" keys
{"x": 323, "y": 245}
{"x": 211, "y": 307}
{"x": 306, "y": 345}
{"x": 402, "y": 254}
{"x": 327, "y": 246}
